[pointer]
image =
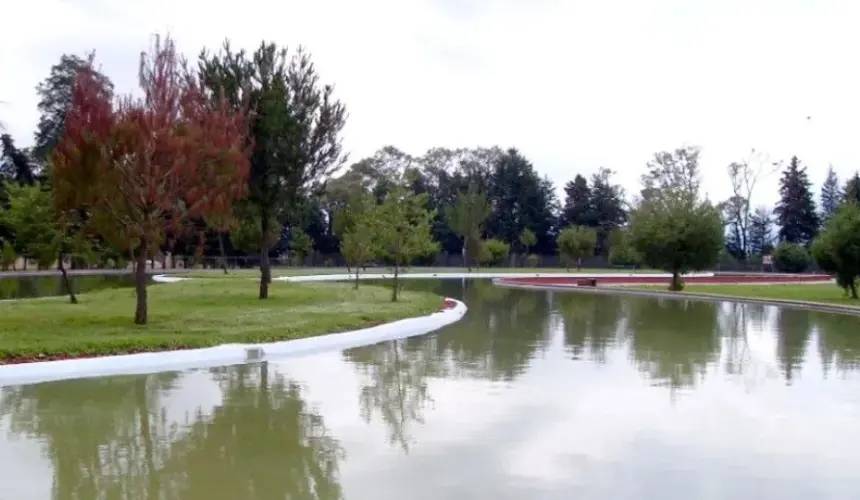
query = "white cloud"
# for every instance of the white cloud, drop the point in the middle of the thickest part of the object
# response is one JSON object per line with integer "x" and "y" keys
{"x": 573, "y": 84}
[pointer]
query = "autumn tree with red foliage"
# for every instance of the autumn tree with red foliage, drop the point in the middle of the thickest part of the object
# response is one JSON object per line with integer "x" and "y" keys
{"x": 142, "y": 168}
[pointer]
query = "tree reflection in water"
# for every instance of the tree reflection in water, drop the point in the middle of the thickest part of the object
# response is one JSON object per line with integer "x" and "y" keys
{"x": 591, "y": 323}
{"x": 262, "y": 442}
{"x": 110, "y": 438}
{"x": 793, "y": 329}
{"x": 496, "y": 339}
{"x": 102, "y": 435}
{"x": 673, "y": 341}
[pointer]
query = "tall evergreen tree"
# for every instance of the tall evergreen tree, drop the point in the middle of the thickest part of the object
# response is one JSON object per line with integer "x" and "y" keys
{"x": 521, "y": 199}
{"x": 607, "y": 208}
{"x": 851, "y": 193}
{"x": 577, "y": 198}
{"x": 761, "y": 239}
{"x": 831, "y": 195}
{"x": 795, "y": 212}
{"x": 15, "y": 164}
{"x": 55, "y": 99}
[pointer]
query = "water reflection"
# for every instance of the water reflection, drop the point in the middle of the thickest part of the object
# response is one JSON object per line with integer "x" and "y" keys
{"x": 544, "y": 395}
{"x": 112, "y": 438}
{"x": 673, "y": 341}
{"x": 591, "y": 324}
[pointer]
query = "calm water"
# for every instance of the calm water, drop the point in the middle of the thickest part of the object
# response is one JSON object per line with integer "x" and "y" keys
{"x": 533, "y": 395}
{"x": 25, "y": 287}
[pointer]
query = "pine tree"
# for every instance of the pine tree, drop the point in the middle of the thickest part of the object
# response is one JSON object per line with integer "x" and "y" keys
{"x": 761, "y": 240}
{"x": 831, "y": 195}
{"x": 15, "y": 163}
{"x": 576, "y": 211}
{"x": 607, "y": 207}
{"x": 795, "y": 213}
{"x": 851, "y": 193}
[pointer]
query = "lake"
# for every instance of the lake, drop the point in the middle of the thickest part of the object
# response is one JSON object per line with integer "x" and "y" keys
{"x": 28, "y": 287}
{"x": 540, "y": 395}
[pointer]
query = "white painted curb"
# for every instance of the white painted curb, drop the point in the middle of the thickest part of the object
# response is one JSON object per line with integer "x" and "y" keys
{"x": 476, "y": 275}
{"x": 227, "y": 354}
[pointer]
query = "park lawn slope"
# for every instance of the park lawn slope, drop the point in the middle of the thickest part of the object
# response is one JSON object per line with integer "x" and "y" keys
{"x": 196, "y": 313}
{"x": 820, "y": 293}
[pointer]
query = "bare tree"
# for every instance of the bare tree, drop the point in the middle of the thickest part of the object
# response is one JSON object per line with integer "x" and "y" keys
{"x": 744, "y": 177}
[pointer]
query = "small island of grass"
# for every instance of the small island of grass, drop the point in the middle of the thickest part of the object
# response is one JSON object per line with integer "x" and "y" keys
{"x": 195, "y": 313}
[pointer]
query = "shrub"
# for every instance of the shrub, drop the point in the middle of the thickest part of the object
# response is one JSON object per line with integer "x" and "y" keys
{"x": 791, "y": 258}
{"x": 498, "y": 251}
{"x": 532, "y": 260}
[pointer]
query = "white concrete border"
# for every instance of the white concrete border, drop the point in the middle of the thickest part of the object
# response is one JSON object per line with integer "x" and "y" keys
{"x": 227, "y": 354}
{"x": 475, "y": 275}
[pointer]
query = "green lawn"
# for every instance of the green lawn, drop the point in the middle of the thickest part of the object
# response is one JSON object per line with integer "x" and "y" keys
{"x": 196, "y": 313}
{"x": 824, "y": 293}
{"x": 305, "y": 271}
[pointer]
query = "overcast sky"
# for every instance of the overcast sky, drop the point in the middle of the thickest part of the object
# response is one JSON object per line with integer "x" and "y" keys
{"x": 574, "y": 85}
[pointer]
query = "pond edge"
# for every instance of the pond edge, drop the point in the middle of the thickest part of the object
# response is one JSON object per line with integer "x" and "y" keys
{"x": 699, "y": 296}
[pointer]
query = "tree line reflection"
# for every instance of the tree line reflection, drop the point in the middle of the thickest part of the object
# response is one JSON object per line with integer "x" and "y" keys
{"x": 111, "y": 438}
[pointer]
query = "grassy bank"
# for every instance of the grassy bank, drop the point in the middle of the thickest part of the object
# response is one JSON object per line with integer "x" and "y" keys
{"x": 306, "y": 271}
{"x": 823, "y": 293}
{"x": 195, "y": 313}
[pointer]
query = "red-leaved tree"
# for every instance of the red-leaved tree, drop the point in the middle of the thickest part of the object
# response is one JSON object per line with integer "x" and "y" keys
{"x": 144, "y": 168}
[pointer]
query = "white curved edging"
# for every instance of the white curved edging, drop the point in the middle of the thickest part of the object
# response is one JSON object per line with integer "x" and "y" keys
{"x": 477, "y": 275}
{"x": 227, "y": 354}
{"x": 163, "y": 278}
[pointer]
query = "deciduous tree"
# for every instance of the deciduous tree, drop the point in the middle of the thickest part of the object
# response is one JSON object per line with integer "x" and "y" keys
{"x": 837, "y": 249}
{"x": 466, "y": 218}
{"x": 576, "y": 243}
{"x": 136, "y": 166}
{"x": 402, "y": 230}
{"x": 528, "y": 240}
{"x": 295, "y": 135}
{"x": 301, "y": 245}
{"x": 744, "y": 177}
{"x": 672, "y": 228}
{"x": 358, "y": 242}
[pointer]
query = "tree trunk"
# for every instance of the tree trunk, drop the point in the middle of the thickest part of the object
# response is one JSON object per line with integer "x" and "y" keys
{"x": 265, "y": 267}
{"x": 676, "y": 285}
{"x": 66, "y": 281}
{"x": 853, "y": 287}
{"x": 141, "y": 313}
{"x": 356, "y": 278}
{"x": 394, "y": 288}
{"x": 466, "y": 256}
{"x": 223, "y": 252}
